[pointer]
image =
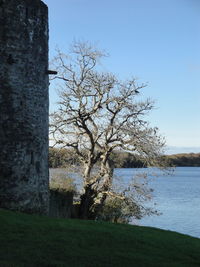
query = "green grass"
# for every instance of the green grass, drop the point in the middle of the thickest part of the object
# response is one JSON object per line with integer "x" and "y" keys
{"x": 29, "y": 240}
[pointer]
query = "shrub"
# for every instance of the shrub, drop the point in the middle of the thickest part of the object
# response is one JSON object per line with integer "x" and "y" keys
{"x": 62, "y": 183}
{"x": 119, "y": 210}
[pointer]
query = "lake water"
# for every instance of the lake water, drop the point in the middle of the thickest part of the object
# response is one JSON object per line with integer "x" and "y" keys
{"x": 177, "y": 197}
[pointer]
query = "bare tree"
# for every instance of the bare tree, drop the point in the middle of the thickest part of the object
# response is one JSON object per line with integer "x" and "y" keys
{"x": 97, "y": 115}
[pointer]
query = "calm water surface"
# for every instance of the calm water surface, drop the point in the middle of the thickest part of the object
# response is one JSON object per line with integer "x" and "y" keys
{"x": 177, "y": 197}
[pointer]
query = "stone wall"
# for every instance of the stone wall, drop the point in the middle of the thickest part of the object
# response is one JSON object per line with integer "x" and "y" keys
{"x": 24, "y": 105}
{"x": 61, "y": 204}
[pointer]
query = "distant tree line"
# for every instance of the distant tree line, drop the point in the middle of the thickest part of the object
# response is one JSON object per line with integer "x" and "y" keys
{"x": 184, "y": 160}
{"x": 60, "y": 158}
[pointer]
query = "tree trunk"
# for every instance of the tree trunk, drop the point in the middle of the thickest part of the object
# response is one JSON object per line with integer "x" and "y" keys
{"x": 107, "y": 176}
{"x": 87, "y": 203}
{"x": 88, "y": 208}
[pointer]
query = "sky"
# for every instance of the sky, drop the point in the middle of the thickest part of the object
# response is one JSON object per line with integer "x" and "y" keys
{"x": 155, "y": 41}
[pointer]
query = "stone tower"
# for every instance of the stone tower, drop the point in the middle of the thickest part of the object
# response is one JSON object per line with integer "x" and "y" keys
{"x": 24, "y": 105}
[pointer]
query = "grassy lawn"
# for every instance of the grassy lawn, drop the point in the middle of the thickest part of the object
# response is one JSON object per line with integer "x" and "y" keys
{"x": 29, "y": 240}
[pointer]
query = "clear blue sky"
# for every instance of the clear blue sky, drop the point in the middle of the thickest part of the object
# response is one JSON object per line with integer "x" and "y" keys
{"x": 157, "y": 41}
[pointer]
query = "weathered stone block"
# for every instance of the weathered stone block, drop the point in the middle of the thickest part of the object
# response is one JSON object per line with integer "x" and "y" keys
{"x": 24, "y": 105}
